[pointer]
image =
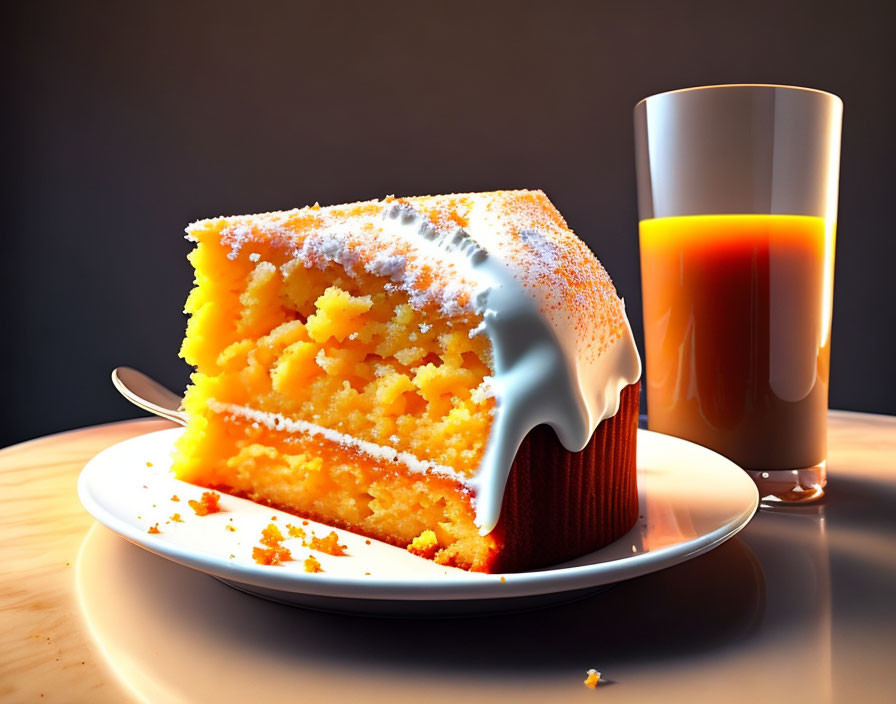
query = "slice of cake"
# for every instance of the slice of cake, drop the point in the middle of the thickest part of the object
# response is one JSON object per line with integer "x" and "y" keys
{"x": 451, "y": 374}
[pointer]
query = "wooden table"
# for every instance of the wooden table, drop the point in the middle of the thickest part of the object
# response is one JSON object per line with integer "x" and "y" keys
{"x": 801, "y": 606}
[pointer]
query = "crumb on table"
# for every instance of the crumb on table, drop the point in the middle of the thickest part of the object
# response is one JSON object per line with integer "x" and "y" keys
{"x": 208, "y": 503}
{"x": 592, "y": 679}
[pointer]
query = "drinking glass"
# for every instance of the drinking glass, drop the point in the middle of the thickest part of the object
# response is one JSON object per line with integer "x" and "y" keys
{"x": 737, "y": 200}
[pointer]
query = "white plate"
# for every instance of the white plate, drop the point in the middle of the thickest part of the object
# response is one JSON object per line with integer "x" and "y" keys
{"x": 691, "y": 500}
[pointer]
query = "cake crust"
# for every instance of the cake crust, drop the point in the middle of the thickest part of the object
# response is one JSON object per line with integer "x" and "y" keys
{"x": 558, "y": 504}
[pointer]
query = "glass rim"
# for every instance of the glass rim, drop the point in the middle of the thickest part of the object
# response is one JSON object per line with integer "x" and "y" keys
{"x": 743, "y": 85}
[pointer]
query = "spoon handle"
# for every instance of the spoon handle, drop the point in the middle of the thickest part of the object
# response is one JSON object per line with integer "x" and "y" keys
{"x": 148, "y": 394}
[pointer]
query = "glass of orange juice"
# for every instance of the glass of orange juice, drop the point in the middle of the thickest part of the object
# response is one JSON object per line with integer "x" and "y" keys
{"x": 737, "y": 200}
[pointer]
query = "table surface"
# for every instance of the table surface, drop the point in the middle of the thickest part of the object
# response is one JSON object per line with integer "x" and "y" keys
{"x": 798, "y": 607}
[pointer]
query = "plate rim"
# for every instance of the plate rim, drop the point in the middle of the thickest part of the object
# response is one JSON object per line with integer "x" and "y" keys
{"x": 472, "y": 585}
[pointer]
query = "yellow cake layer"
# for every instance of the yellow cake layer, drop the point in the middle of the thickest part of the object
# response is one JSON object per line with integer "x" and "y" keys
{"x": 338, "y": 351}
{"x": 347, "y": 353}
{"x": 326, "y": 481}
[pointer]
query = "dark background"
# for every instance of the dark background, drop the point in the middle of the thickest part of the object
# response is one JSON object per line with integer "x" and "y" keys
{"x": 125, "y": 121}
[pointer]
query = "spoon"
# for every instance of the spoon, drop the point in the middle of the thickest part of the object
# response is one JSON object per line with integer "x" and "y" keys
{"x": 149, "y": 394}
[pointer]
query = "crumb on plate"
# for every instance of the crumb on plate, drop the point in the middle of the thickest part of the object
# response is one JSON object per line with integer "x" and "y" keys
{"x": 271, "y": 536}
{"x": 295, "y": 531}
{"x": 273, "y": 552}
{"x": 208, "y": 503}
{"x": 271, "y": 556}
{"x": 329, "y": 544}
{"x": 312, "y": 564}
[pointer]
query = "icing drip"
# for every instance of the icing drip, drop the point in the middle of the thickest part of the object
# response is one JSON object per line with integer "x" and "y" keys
{"x": 540, "y": 374}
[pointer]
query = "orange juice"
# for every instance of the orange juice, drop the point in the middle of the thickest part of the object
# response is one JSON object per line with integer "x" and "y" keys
{"x": 737, "y": 312}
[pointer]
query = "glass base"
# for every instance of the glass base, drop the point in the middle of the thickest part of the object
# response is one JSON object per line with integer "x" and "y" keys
{"x": 790, "y": 486}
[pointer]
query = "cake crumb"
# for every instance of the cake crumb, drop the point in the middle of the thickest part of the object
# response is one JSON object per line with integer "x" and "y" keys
{"x": 312, "y": 564}
{"x": 271, "y": 536}
{"x": 503, "y": 579}
{"x": 295, "y": 531}
{"x": 148, "y": 464}
{"x": 273, "y": 553}
{"x": 230, "y": 528}
{"x": 592, "y": 679}
{"x": 424, "y": 545}
{"x": 329, "y": 544}
{"x": 154, "y": 530}
{"x": 367, "y": 542}
{"x": 208, "y": 503}
{"x": 271, "y": 556}
{"x": 175, "y": 497}
{"x": 176, "y": 518}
